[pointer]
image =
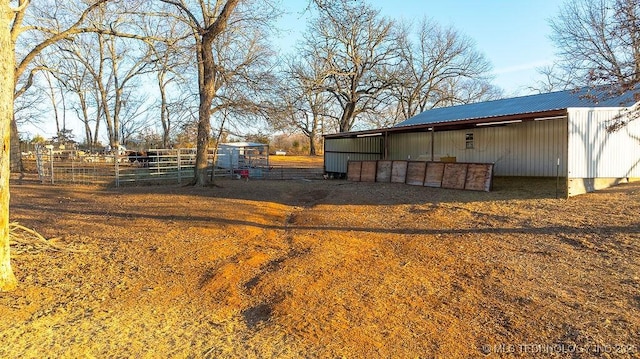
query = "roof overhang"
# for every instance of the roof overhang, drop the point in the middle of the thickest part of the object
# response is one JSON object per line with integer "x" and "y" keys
{"x": 456, "y": 124}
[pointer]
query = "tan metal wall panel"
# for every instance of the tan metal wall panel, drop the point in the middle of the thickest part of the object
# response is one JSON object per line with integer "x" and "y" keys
{"x": 596, "y": 153}
{"x": 338, "y": 151}
{"x": 519, "y": 149}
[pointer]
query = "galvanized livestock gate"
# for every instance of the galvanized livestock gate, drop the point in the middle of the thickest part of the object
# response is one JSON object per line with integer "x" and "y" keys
{"x": 158, "y": 166}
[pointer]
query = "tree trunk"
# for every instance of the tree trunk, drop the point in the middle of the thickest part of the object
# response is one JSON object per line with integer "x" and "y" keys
{"x": 164, "y": 111}
{"x": 7, "y": 58}
{"x": 96, "y": 130}
{"x": 347, "y": 118}
{"x": 312, "y": 142}
{"x": 16, "y": 157}
{"x": 85, "y": 120}
{"x": 207, "y": 93}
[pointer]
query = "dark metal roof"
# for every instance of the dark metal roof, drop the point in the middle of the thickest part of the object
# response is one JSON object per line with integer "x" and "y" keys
{"x": 518, "y": 105}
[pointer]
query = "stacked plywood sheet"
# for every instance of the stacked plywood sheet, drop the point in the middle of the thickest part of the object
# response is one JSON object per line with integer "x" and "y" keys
{"x": 454, "y": 175}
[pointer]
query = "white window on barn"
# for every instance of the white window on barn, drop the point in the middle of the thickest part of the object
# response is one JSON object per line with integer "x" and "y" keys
{"x": 468, "y": 141}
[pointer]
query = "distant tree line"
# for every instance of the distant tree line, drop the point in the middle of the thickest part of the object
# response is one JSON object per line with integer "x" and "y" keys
{"x": 125, "y": 67}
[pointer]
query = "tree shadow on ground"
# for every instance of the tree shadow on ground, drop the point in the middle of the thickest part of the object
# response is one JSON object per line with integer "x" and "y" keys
{"x": 341, "y": 192}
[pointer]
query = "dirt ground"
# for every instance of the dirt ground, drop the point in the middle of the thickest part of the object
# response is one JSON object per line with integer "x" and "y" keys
{"x": 290, "y": 269}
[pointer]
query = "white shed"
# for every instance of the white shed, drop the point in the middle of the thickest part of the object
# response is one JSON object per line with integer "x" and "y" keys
{"x": 236, "y": 155}
{"x": 547, "y": 135}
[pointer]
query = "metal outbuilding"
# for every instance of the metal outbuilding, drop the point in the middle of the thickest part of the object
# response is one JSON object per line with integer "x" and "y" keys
{"x": 565, "y": 134}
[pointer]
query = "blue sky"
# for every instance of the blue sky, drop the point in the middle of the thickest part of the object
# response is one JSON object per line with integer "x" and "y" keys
{"x": 512, "y": 34}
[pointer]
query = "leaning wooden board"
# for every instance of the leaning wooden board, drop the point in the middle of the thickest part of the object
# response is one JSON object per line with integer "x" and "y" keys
{"x": 368, "y": 171}
{"x": 479, "y": 177}
{"x": 399, "y": 171}
{"x": 435, "y": 171}
{"x": 383, "y": 173}
{"x": 353, "y": 170}
{"x": 454, "y": 175}
{"x": 415, "y": 173}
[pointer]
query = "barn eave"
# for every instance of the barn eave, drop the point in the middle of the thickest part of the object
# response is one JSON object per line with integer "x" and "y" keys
{"x": 458, "y": 124}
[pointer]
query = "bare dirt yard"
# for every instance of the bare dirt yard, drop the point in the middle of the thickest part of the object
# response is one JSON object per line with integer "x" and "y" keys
{"x": 290, "y": 269}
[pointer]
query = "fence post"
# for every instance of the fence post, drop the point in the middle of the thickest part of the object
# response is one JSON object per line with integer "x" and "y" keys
{"x": 40, "y": 162}
{"x": 50, "y": 148}
{"x": 179, "y": 168}
{"x": 116, "y": 167}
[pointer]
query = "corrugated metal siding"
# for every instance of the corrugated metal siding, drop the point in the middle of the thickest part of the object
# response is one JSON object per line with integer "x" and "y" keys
{"x": 521, "y": 149}
{"x": 593, "y": 152}
{"x": 338, "y": 151}
{"x": 408, "y": 146}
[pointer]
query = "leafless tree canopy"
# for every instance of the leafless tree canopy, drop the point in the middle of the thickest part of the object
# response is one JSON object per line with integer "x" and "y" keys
{"x": 378, "y": 72}
{"x": 598, "y": 44}
{"x": 368, "y": 70}
{"x": 299, "y": 101}
{"x": 227, "y": 39}
{"x": 440, "y": 67}
{"x": 599, "y": 41}
{"x": 358, "y": 52}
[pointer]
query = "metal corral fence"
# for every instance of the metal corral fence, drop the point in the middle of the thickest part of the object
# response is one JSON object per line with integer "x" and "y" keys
{"x": 155, "y": 166}
{"x": 283, "y": 172}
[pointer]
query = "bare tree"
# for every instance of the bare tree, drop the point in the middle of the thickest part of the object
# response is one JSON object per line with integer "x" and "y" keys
{"x": 134, "y": 117}
{"x": 462, "y": 90}
{"x": 301, "y": 104}
{"x": 51, "y": 93}
{"x": 71, "y": 19}
{"x": 114, "y": 65}
{"x": 207, "y": 21}
{"x": 76, "y": 79}
{"x": 598, "y": 43}
{"x": 28, "y": 108}
{"x": 125, "y": 67}
{"x": 33, "y": 39}
{"x": 441, "y": 67}
{"x": 171, "y": 61}
{"x": 359, "y": 54}
{"x": 554, "y": 78}
{"x": 181, "y": 110}
{"x": 210, "y": 23}
{"x": 244, "y": 59}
